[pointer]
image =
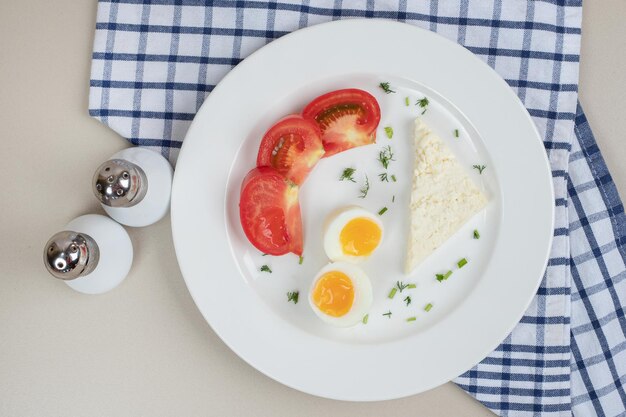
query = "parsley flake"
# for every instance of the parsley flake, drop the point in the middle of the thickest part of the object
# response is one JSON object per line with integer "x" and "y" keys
{"x": 480, "y": 168}
{"x": 385, "y": 156}
{"x": 386, "y": 88}
{"x": 443, "y": 277}
{"x": 423, "y": 103}
{"x": 347, "y": 175}
{"x": 293, "y": 296}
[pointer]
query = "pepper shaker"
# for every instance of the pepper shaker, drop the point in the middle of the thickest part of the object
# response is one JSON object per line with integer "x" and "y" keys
{"x": 134, "y": 186}
{"x": 92, "y": 255}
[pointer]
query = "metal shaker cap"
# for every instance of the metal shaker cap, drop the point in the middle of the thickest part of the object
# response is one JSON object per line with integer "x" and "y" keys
{"x": 119, "y": 183}
{"x": 69, "y": 255}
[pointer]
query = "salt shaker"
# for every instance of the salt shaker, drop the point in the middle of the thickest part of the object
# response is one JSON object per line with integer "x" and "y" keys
{"x": 92, "y": 255}
{"x": 134, "y": 186}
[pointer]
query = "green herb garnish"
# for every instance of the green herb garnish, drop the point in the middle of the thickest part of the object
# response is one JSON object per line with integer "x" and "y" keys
{"x": 365, "y": 318}
{"x": 392, "y": 293}
{"x": 480, "y": 168}
{"x": 393, "y": 177}
{"x": 406, "y": 101}
{"x": 266, "y": 268}
{"x": 389, "y": 131}
{"x": 365, "y": 189}
{"x": 411, "y": 286}
{"x": 293, "y": 296}
{"x": 401, "y": 285}
{"x": 428, "y": 307}
{"x": 407, "y": 300}
{"x": 393, "y": 199}
{"x": 443, "y": 277}
{"x": 476, "y": 234}
{"x": 265, "y": 254}
{"x": 383, "y": 177}
{"x": 385, "y": 156}
{"x": 388, "y": 314}
{"x": 462, "y": 263}
{"x": 386, "y": 88}
{"x": 411, "y": 319}
{"x": 423, "y": 103}
{"x": 382, "y": 211}
{"x": 347, "y": 175}
{"x": 456, "y": 133}
{"x": 301, "y": 260}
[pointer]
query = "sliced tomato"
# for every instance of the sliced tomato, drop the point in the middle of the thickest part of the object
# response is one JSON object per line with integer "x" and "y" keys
{"x": 347, "y": 118}
{"x": 270, "y": 212}
{"x": 292, "y": 146}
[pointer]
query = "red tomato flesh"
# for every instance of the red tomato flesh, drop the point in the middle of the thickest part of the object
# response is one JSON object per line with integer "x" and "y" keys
{"x": 292, "y": 146}
{"x": 270, "y": 213}
{"x": 347, "y": 118}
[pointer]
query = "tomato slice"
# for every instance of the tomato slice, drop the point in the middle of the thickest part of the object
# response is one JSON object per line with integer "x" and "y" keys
{"x": 270, "y": 213}
{"x": 292, "y": 146}
{"x": 347, "y": 118}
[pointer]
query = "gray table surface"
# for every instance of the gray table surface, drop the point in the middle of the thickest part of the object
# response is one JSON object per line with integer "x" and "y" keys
{"x": 144, "y": 349}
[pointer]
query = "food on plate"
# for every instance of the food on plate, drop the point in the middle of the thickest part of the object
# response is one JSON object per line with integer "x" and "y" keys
{"x": 341, "y": 294}
{"x": 352, "y": 234}
{"x": 268, "y": 206}
{"x": 270, "y": 213}
{"x": 293, "y": 296}
{"x": 423, "y": 103}
{"x": 479, "y": 168}
{"x": 293, "y": 146}
{"x": 401, "y": 286}
{"x": 347, "y": 118}
{"x": 443, "y": 196}
{"x": 385, "y": 87}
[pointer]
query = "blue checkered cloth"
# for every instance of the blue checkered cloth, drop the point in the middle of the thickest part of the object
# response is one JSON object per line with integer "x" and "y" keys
{"x": 154, "y": 62}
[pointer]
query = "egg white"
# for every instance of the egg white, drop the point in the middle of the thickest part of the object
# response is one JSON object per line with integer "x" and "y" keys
{"x": 335, "y": 223}
{"x": 362, "y": 295}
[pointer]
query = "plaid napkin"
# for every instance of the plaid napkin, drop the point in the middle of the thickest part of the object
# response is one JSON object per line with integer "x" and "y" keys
{"x": 155, "y": 61}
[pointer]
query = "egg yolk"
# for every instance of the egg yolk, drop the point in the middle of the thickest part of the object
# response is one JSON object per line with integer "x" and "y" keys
{"x": 334, "y": 293}
{"x": 360, "y": 237}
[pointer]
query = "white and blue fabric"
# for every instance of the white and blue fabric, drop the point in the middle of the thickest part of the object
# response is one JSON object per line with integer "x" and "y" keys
{"x": 154, "y": 62}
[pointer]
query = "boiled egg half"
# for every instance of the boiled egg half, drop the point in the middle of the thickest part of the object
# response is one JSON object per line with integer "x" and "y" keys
{"x": 341, "y": 294}
{"x": 352, "y": 234}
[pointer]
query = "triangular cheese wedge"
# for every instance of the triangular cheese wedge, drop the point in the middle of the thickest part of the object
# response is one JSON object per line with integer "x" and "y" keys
{"x": 443, "y": 196}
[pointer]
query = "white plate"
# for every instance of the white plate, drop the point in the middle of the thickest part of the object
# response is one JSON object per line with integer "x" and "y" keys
{"x": 472, "y": 311}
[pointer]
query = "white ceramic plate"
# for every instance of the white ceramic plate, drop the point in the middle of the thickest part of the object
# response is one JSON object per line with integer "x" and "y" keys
{"x": 472, "y": 311}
